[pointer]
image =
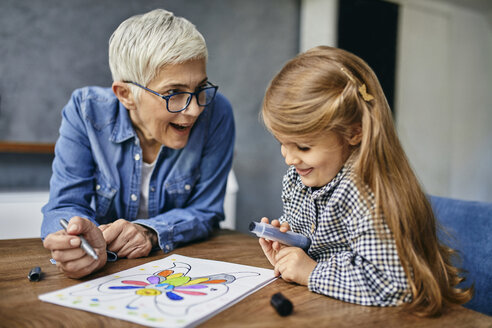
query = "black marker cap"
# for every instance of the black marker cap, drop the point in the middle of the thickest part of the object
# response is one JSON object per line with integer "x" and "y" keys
{"x": 281, "y": 304}
{"x": 112, "y": 256}
{"x": 252, "y": 226}
{"x": 35, "y": 274}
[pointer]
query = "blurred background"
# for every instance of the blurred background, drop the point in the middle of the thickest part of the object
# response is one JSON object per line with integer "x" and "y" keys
{"x": 433, "y": 58}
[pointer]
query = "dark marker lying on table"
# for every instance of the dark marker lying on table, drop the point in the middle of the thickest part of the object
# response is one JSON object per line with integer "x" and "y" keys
{"x": 84, "y": 244}
{"x": 281, "y": 304}
{"x": 267, "y": 231}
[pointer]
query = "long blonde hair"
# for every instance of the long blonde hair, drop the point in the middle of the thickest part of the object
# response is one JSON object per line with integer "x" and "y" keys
{"x": 329, "y": 89}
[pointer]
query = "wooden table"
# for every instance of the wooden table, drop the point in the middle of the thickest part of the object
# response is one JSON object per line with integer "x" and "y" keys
{"x": 20, "y": 306}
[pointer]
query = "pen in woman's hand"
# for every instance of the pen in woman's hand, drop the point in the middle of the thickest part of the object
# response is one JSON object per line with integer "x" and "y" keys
{"x": 84, "y": 244}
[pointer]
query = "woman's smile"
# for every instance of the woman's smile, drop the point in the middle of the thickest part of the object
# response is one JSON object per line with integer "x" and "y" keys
{"x": 181, "y": 128}
{"x": 171, "y": 129}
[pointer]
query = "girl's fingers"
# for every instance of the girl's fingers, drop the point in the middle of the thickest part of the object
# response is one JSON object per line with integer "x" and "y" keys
{"x": 284, "y": 227}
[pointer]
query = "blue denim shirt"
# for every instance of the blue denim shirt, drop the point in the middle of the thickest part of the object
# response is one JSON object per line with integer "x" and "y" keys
{"x": 97, "y": 170}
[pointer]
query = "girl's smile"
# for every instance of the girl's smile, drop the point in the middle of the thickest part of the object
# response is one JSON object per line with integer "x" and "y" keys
{"x": 304, "y": 172}
{"x": 318, "y": 159}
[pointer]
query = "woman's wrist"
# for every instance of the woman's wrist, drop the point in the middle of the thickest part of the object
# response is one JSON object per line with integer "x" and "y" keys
{"x": 150, "y": 234}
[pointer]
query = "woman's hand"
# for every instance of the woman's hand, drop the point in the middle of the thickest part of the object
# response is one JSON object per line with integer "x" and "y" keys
{"x": 294, "y": 265}
{"x": 128, "y": 239}
{"x": 271, "y": 248}
{"x": 65, "y": 249}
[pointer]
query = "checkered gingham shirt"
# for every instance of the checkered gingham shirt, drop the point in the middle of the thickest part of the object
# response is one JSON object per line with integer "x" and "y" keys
{"x": 355, "y": 264}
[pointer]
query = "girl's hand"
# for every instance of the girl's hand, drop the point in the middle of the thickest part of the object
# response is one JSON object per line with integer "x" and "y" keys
{"x": 271, "y": 248}
{"x": 294, "y": 265}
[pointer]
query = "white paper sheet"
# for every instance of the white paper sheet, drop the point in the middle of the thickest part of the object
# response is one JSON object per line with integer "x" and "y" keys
{"x": 176, "y": 291}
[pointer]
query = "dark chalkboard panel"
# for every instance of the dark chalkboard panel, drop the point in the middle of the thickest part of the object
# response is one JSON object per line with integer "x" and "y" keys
{"x": 50, "y": 47}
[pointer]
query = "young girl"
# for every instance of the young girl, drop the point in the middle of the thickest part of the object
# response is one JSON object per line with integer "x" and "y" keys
{"x": 351, "y": 190}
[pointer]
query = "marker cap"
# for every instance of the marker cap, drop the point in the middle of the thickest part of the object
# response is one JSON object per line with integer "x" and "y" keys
{"x": 283, "y": 306}
{"x": 34, "y": 274}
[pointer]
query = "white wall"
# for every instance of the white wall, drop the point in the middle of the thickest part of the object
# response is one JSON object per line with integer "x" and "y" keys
{"x": 443, "y": 88}
{"x": 318, "y": 25}
{"x": 444, "y": 99}
{"x": 20, "y": 214}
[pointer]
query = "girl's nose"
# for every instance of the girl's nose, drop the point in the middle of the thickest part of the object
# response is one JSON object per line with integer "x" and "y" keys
{"x": 290, "y": 157}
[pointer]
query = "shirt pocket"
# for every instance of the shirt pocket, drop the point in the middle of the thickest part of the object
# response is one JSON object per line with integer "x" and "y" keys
{"x": 105, "y": 193}
{"x": 180, "y": 189}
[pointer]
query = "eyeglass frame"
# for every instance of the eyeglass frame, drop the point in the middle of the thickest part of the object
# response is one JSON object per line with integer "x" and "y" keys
{"x": 188, "y": 101}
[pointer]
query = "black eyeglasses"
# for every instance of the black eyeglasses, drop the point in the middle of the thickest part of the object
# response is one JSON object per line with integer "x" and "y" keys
{"x": 179, "y": 101}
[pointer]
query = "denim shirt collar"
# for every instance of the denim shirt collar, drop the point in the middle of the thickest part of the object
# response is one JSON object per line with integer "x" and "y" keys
{"x": 123, "y": 128}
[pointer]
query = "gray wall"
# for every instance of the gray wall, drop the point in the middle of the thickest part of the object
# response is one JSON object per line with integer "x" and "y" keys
{"x": 49, "y": 48}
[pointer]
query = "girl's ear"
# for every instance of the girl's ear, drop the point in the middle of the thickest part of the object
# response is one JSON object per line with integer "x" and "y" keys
{"x": 124, "y": 95}
{"x": 355, "y": 135}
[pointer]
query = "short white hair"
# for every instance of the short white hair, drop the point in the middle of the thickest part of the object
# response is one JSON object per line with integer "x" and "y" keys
{"x": 143, "y": 44}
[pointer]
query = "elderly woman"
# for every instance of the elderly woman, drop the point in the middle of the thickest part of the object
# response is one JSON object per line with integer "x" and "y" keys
{"x": 144, "y": 164}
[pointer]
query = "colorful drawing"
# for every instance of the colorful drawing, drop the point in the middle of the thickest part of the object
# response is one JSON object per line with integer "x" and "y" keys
{"x": 175, "y": 292}
{"x": 170, "y": 290}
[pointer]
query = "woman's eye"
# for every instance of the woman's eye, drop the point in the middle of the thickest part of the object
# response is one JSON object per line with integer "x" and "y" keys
{"x": 303, "y": 148}
{"x": 170, "y": 92}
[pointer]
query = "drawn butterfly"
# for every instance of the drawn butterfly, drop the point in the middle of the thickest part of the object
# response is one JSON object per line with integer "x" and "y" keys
{"x": 171, "y": 291}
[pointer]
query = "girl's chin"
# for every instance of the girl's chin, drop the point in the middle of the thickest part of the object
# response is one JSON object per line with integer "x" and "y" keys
{"x": 312, "y": 183}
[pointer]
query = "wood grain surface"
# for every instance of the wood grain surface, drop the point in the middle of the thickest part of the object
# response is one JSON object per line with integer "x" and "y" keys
{"x": 20, "y": 306}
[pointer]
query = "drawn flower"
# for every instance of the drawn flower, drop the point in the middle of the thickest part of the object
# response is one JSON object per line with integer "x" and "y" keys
{"x": 171, "y": 283}
{"x": 169, "y": 291}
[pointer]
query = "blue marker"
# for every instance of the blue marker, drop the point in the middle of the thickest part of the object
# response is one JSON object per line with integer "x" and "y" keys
{"x": 267, "y": 231}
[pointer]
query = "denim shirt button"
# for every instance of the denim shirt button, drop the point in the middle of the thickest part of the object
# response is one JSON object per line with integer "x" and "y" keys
{"x": 134, "y": 197}
{"x": 152, "y": 189}
{"x": 167, "y": 247}
{"x": 137, "y": 157}
{"x": 98, "y": 187}
{"x": 187, "y": 187}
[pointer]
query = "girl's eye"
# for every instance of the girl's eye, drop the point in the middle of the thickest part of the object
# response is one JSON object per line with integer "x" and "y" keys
{"x": 303, "y": 148}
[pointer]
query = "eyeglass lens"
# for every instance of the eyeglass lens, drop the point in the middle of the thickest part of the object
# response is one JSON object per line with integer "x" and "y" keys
{"x": 179, "y": 101}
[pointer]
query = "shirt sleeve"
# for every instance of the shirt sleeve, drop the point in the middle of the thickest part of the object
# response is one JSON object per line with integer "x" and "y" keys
{"x": 205, "y": 208}
{"x": 72, "y": 181}
{"x": 369, "y": 272}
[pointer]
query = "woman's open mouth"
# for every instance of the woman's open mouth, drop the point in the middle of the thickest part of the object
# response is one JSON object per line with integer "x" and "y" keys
{"x": 181, "y": 127}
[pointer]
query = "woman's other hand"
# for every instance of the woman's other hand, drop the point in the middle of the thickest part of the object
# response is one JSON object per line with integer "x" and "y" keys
{"x": 128, "y": 239}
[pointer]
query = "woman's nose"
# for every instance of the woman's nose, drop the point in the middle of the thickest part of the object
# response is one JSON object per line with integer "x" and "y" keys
{"x": 193, "y": 108}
